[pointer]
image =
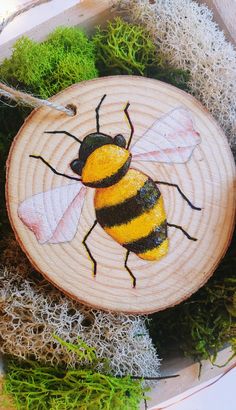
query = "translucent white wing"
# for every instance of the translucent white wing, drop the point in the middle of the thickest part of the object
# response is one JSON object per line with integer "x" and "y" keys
{"x": 171, "y": 139}
{"x": 53, "y": 216}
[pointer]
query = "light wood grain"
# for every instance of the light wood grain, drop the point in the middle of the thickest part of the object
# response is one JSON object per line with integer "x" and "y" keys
{"x": 207, "y": 179}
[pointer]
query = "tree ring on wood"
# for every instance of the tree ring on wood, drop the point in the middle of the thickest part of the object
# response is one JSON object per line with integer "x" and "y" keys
{"x": 207, "y": 179}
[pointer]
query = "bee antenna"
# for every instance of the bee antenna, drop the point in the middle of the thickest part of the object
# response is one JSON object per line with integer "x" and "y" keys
{"x": 130, "y": 124}
{"x": 97, "y": 112}
{"x": 64, "y": 132}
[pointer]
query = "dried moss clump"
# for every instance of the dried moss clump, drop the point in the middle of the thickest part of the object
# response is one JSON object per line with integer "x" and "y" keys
{"x": 31, "y": 311}
{"x": 66, "y": 57}
{"x": 203, "y": 324}
{"x": 185, "y": 33}
{"x": 123, "y": 48}
{"x": 12, "y": 255}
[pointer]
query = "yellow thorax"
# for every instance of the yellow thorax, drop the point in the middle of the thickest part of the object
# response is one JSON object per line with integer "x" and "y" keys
{"x": 104, "y": 162}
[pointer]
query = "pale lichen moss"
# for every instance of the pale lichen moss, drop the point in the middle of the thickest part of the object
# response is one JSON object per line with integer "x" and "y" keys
{"x": 32, "y": 311}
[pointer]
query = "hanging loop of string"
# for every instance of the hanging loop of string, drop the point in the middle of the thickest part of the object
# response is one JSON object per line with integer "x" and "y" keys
{"x": 31, "y": 101}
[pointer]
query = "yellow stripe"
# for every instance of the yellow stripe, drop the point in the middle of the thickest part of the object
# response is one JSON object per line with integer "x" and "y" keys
{"x": 156, "y": 253}
{"x": 140, "y": 226}
{"x": 104, "y": 162}
{"x": 127, "y": 187}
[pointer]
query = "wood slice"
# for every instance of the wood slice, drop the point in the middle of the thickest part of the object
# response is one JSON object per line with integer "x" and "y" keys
{"x": 207, "y": 179}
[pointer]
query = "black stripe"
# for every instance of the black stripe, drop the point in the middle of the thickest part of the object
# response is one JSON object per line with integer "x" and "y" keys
{"x": 149, "y": 242}
{"x": 113, "y": 179}
{"x": 144, "y": 200}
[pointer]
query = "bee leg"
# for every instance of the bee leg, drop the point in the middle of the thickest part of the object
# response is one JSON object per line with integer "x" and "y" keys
{"x": 97, "y": 113}
{"x": 130, "y": 123}
{"x": 128, "y": 269}
{"x": 53, "y": 169}
{"x": 181, "y": 193}
{"x": 88, "y": 250}
{"x": 64, "y": 132}
{"x": 181, "y": 229}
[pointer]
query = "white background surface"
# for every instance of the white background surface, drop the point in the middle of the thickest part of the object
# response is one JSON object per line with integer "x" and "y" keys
{"x": 219, "y": 396}
{"x": 30, "y": 18}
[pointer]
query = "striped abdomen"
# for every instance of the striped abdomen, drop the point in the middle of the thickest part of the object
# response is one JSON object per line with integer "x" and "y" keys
{"x": 132, "y": 213}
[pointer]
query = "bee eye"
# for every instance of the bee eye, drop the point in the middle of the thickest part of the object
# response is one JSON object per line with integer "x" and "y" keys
{"x": 77, "y": 166}
{"x": 120, "y": 141}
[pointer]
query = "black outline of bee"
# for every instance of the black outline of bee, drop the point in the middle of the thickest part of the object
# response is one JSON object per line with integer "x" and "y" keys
{"x": 150, "y": 193}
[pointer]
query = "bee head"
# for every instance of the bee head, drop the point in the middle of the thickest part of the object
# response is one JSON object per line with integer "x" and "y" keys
{"x": 102, "y": 160}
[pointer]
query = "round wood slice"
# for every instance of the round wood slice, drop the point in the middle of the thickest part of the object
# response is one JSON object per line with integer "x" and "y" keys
{"x": 207, "y": 179}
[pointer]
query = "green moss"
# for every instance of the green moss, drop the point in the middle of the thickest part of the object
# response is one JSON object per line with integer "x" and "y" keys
{"x": 203, "y": 324}
{"x": 37, "y": 387}
{"x": 71, "y": 40}
{"x": 66, "y": 57}
{"x": 123, "y": 48}
{"x": 70, "y": 70}
{"x": 82, "y": 350}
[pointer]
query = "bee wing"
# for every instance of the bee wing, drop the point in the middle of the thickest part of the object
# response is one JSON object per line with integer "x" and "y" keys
{"x": 53, "y": 216}
{"x": 171, "y": 139}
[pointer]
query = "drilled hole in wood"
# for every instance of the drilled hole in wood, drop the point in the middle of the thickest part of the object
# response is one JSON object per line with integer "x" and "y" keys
{"x": 72, "y": 107}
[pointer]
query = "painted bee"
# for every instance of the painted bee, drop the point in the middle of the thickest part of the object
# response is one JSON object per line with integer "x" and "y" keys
{"x": 128, "y": 204}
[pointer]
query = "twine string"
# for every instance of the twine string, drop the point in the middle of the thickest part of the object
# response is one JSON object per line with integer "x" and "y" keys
{"x": 31, "y": 101}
